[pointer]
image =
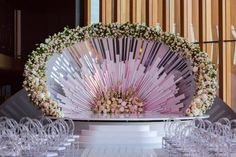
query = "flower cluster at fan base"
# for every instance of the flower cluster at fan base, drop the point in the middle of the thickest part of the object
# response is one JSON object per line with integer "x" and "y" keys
{"x": 117, "y": 102}
{"x": 204, "y": 70}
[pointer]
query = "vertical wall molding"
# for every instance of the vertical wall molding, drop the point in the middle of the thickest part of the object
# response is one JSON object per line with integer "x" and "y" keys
{"x": 222, "y": 72}
{"x": 200, "y": 26}
{"x": 17, "y": 34}
{"x": 226, "y": 47}
{"x": 87, "y": 12}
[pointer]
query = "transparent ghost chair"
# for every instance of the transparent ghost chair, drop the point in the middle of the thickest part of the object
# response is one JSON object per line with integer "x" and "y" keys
{"x": 31, "y": 136}
{"x": 225, "y": 121}
{"x": 73, "y": 138}
{"x": 169, "y": 126}
{"x": 45, "y": 120}
{"x": 166, "y": 138}
{"x": 219, "y": 143}
{"x": 171, "y": 142}
{"x": 190, "y": 141}
{"x": 39, "y": 138}
{"x": 64, "y": 147}
{"x": 8, "y": 140}
{"x": 233, "y": 136}
{"x": 198, "y": 138}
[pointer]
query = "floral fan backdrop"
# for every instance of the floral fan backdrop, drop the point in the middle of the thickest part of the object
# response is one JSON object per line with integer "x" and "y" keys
{"x": 119, "y": 68}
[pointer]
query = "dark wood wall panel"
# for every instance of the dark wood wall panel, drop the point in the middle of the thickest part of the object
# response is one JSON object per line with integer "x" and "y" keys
{"x": 43, "y": 18}
{"x": 39, "y": 19}
{"x": 6, "y": 27}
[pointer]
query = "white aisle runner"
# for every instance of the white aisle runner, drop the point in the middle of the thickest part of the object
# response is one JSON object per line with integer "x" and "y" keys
{"x": 121, "y": 152}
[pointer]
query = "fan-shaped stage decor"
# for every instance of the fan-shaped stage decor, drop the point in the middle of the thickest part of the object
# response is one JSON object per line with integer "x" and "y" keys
{"x": 114, "y": 68}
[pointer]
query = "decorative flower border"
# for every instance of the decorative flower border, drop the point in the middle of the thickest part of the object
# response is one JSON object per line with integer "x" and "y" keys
{"x": 35, "y": 78}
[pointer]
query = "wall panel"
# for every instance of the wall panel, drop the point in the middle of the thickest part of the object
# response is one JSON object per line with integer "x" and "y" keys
{"x": 208, "y": 23}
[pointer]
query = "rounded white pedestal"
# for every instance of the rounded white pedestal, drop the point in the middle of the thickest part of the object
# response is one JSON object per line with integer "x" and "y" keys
{"x": 142, "y": 130}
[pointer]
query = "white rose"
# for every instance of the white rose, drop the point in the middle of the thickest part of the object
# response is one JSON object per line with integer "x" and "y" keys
{"x": 36, "y": 81}
{"x": 48, "y": 94}
{"x": 195, "y": 69}
{"x": 196, "y": 112}
{"x": 200, "y": 113}
{"x": 41, "y": 95}
{"x": 199, "y": 92}
{"x": 204, "y": 97}
{"x": 197, "y": 100}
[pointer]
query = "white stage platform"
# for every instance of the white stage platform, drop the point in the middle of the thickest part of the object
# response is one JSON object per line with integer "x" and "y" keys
{"x": 125, "y": 130}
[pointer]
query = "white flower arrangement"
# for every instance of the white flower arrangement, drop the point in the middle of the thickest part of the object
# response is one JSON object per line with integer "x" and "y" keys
{"x": 35, "y": 81}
